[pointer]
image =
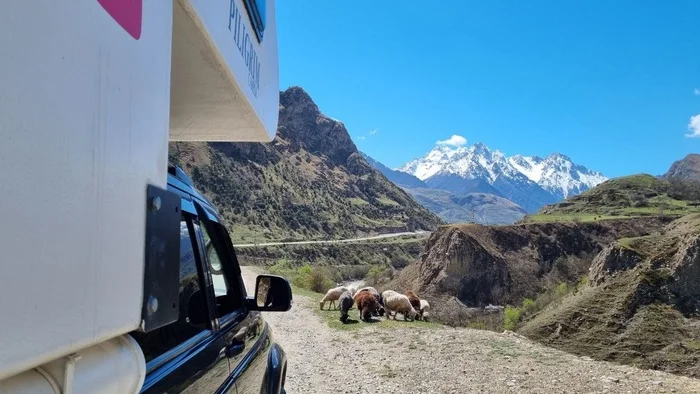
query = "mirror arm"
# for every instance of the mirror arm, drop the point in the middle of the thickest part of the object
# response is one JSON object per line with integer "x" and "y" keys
{"x": 251, "y": 303}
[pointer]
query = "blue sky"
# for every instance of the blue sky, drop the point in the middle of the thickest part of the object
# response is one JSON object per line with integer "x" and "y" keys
{"x": 610, "y": 84}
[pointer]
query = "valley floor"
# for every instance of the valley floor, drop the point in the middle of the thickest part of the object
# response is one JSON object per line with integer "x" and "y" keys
{"x": 379, "y": 359}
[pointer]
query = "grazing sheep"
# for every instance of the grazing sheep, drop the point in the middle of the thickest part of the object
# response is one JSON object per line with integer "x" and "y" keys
{"x": 424, "y": 311}
{"x": 413, "y": 298}
{"x": 332, "y": 296}
{"x": 366, "y": 305}
{"x": 380, "y": 304}
{"x": 368, "y": 288}
{"x": 398, "y": 303}
{"x": 345, "y": 303}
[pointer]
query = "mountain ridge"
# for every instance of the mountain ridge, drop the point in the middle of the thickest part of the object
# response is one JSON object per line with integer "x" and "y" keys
{"x": 529, "y": 181}
{"x": 469, "y": 206}
{"x": 310, "y": 182}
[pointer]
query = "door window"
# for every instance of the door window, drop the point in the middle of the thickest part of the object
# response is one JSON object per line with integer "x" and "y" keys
{"x": 224, "y": 269}
{"x": 221, "y": 286}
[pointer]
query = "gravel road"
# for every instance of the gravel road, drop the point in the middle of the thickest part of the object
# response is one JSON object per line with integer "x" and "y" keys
{"x": 444, "y": 360}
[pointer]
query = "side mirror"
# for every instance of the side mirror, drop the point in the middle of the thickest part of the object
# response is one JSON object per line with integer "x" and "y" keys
{"x": 272, "y": 294}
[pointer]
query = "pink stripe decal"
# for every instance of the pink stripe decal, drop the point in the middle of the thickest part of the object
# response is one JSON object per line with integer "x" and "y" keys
{"x": 127, "y": 13}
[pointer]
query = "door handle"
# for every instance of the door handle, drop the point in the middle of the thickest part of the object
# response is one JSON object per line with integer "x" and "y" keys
{"x": 235, "y": 348}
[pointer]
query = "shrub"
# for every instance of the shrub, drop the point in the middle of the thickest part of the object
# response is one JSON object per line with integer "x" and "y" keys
{"x": 529, "y": 305}
{"x": 562, "y": 289}
{"x": 318, "y": 281}
{"x": 379, "y": 274}
{"x": 511, "y": 318}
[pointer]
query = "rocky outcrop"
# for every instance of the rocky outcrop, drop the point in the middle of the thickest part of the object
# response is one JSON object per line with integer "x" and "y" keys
{"x": 504, "y": 264}
{"x": 610, "y": 260}
{"x": 458, "y": 264}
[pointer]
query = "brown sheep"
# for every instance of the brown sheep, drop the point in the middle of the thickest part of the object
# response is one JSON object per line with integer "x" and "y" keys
{"x": 414, "y": 300}
{"x": 366, "y": 305}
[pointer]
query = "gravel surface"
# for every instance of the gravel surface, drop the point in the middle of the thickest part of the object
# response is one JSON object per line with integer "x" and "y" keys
{"x": 443, "y": 360}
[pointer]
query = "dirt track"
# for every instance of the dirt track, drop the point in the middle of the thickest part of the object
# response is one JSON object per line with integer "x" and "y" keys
{"x": 444, "y": 360}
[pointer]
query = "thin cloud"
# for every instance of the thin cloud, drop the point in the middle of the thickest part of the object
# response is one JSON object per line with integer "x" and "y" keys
{"x": 455, "y": 140}
{"x": 697, "y": 91}
{"x": 362, "y": 137}
{"x": 373, "y": 132}
{"x": 694, "y": 127}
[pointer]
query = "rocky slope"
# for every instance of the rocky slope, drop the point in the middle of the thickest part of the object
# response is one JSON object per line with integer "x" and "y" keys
{"x": 530, "y": 182}
{"x": 686, "y": 169}
{"x": 310, "y": 182}
{"x": 481, "y": 265}
{"x": 399, "y": 178}
{"x": 641, "y": 305}
{"x": 480, "y": 208}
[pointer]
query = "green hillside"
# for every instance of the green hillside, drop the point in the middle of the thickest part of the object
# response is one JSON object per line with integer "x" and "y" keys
{"x": 630, "y": 196}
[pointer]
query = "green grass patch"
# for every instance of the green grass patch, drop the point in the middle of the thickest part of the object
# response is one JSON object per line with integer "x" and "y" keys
{"x": 387, "y": 201}
{"x": 358, "y": 201}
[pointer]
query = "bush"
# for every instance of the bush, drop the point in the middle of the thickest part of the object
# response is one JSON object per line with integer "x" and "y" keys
{"x": 562, "y": 289}
{"x": 529, "y": 305}
{"x": 379, "y": 274}
{"x": 318, "y": 281}
{"x": 511, "y": 318}
{"x": 305, "y": 277}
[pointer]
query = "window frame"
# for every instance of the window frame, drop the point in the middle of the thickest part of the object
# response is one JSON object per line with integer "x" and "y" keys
{"x": 181, "y": 349}
{"x": 229, "y": 262}
{"x": 257, "y": 19}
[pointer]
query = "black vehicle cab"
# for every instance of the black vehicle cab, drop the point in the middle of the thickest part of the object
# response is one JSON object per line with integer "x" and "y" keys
{"x": 220, "y": 342}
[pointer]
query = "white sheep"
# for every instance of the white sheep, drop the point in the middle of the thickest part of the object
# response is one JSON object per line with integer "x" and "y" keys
{"x": 332, "y": 296}
{"x": 424, "y": 312}
{"x": 398, "y": 303}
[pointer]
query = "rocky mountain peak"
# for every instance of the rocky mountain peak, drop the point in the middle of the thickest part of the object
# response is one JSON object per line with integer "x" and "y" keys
{"x": 303, "y": 125}
{"x": 686, "y": 169}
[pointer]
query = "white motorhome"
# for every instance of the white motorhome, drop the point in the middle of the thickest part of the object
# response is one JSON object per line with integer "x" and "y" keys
{"x": 91, "y": 250}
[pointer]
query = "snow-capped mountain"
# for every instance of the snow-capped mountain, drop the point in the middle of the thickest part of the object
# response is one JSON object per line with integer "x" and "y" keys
{"x": 531, "y": 182}
{"x": 557, "y": 174}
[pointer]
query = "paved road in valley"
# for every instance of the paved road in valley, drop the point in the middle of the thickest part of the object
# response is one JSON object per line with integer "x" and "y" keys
{"x": 336, "y": 241}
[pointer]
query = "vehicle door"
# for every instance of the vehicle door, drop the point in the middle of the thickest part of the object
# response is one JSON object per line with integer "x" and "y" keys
{"x": 243, "y": 330}
{"x": 187, "y": 356}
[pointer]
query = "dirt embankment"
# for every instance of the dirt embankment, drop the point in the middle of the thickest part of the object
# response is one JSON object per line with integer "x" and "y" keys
{"x": 372, "y": 359}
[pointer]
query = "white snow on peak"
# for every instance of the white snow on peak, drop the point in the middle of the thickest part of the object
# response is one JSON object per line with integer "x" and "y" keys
{"x": 555, "y": 173}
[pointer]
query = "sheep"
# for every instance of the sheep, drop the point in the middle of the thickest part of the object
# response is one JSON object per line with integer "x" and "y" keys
{"x": 345, "y": 302}
{"x": 413, "y": 298}
{"x": 368, "y": 288}
{"x": 398, "y": 303}
{"x": 332, "y": 296}
{"x": 366, "y": 305}
{"x": 380, "y": 304}
{"x": 424, "y": 312}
